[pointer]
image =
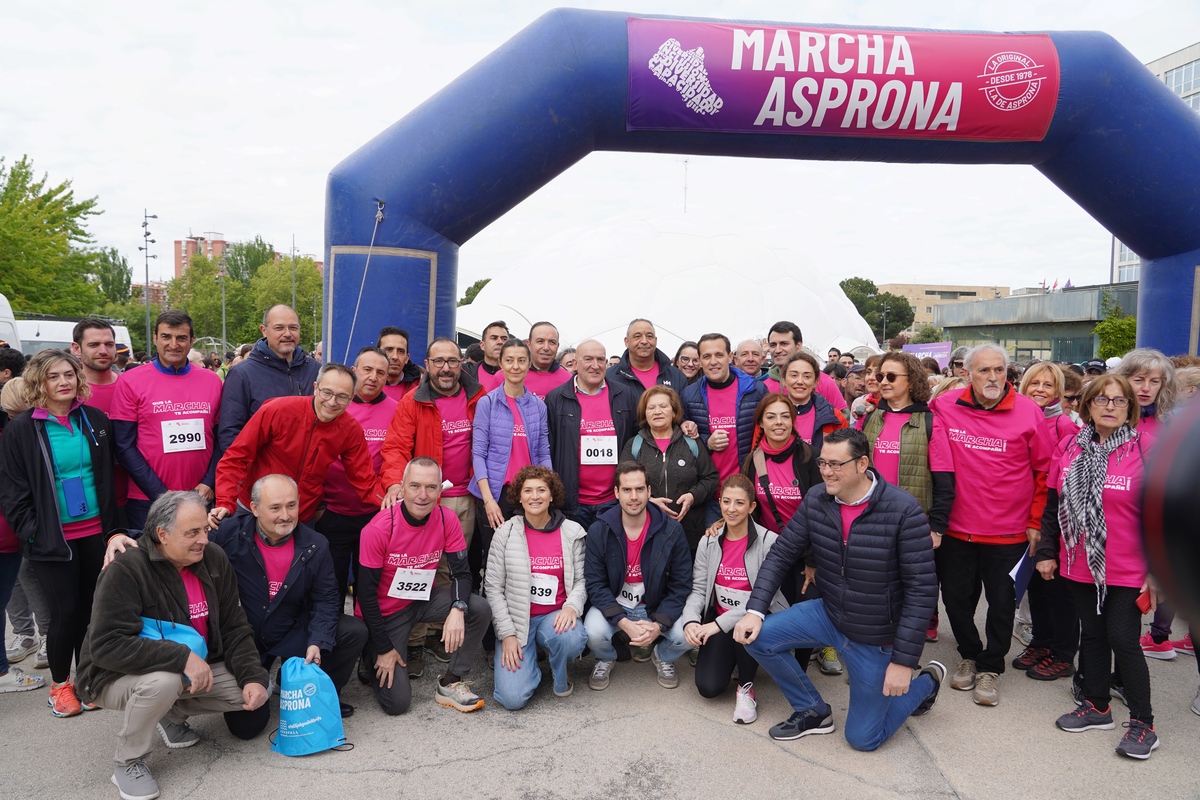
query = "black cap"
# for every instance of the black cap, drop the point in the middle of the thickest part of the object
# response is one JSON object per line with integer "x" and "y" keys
{"x": 1095, "y": 365}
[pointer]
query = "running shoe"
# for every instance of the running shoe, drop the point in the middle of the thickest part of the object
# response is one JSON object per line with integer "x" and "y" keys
{"x": 1139, "y": 741}
{"x": 667, "y": 678}
{"x": 1023, "y": 633}
{"x": 177, "y": 735}
{"x": 415, "y": 656}
{"x": 1086, "y": 718}
{"x": 62, "y": 700}
{"x": 1030, "y": 656}
{"x": 457, "y": 695}
{"x": 600, "y": 675}
{"x": 931, "y": 633}
{"x": 1050, "y": 669}
{"x": 964, "y": 676}
{"x": 745, "y": 707}
{"x": 830, "y": 665}
{"x": 937, "y": 671}
{"x": 17, "y": 681}
{"x": 1163, "y": 650}
{"x": 134, "y": 781}
{"x": 1183, "y": 645}
{"x": 986, "y": 691}
{"x": 43, "y": 660}
{"x": 803, "y": 723}
{"x": 21, "y": 648}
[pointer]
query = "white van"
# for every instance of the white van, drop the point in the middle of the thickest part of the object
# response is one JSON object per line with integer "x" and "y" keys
{"x": 8, "y": 325}
{"x": 43, "y": 334}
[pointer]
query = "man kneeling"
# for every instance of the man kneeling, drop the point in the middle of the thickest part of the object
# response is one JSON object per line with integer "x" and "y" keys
{"x": 176, "y": 587}
{"x": 874, "y": 557}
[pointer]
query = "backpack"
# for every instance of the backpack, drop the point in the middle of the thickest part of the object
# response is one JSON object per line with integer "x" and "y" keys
{"x": 691, "y": 443}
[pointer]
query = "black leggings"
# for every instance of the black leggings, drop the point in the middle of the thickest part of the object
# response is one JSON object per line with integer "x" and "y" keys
{"x": 1115, "y": 630}
{"x": 716, "y": 661}
{"x": 69, "y": 588}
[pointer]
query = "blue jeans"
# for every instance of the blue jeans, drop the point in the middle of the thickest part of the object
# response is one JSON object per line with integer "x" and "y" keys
{"x": 872, "y": 718}
{"x": 600, "y": 632}
{"x": 513, "y": 689}
{"x": 10, "y": 565}
{"x": 586, "y": 515}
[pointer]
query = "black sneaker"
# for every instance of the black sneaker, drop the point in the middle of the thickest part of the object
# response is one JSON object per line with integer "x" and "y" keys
{"x": 1077, "y": 688}
{"x": 1086, "y": 718}
{"x": 415, "y": 656}
{"x": 1139, "y": 741}
{"x": 1118, "y": 692}
{"x": 937, "y": 671}
{"x": 803, "y": 723}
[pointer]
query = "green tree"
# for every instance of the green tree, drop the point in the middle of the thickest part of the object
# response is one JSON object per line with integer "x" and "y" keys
{"x": 473, "y": 291}
{"x": 272, "y": 284}
{"x": 43, "y": 261}
{"x": 871, "y": 303}
{"x": 133, "y": 314}
{"x": 1117, "y": 332}
{"x": 242, "y": 259}
{"x": 113, "y": 275}
{"x": 927, "y": 334}
{"x": 198, "y": 293}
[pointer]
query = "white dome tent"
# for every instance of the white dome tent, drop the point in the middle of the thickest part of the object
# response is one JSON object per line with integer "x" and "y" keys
{"x": 687, "y": 274}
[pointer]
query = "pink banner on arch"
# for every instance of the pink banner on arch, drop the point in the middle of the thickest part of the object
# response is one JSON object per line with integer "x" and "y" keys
{"x": 761, "y": 78}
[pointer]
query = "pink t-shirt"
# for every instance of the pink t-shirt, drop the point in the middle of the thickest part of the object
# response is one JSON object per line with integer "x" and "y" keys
{"x": 489, "y": 380}
{"x": 731, "y": 572}
{"x": 397, "y": 391}
{"x": 197, "y": 600}
{"x": 277, "y": 561}
{"x": 849, "y": 514}
{"x": 1151, "y": 426}
{"x": 994, "y": 455}
{"x": 722, "y": 416}
{"x": 1060, "y": 427}
{"x": 82, "y": 529}
{"x": 546, "y": 558}
{"x": 785, "y": 490}
{"x": 885, "y": 452}
{"x": 647, "y": 377}
{"x": 662, "y": 444}
{"x": 102, "y": 398}
{"x": 456, "y": 443}
{"x": 176, "y": 418}
{"x": 806, "y": 423}
{"x": 540, "y": 383}
{"x": 826, "y": 387}
{"x": 389, "y": 543}
{"x": 633, "y": 554}
{"x": 340, "y": 496}
{"x": 1124, "y": 556}
{"x": 518, "y": 456}
{"x": 595, "y": 419}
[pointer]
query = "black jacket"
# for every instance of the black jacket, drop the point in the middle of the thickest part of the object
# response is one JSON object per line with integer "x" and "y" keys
{"x": 804, "y": 467}
{"x": 669, "y": 375}
{"x": 880, "y": 588}
{"x": 256, "y": 380}
{"x": 563, "y": 418}
{"x": 666, "y": 566}
{"x": 27, "y": 485}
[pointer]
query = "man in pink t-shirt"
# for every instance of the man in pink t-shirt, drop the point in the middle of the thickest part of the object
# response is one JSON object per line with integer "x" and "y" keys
{"x": 165, "y": 420}
{"x": 545, "y": 373}
{"x": 94, "y": 344}
{"x": 488, "y": 372}
{"x": 643, "y": 365}
{"x": 785, "y": 340}
{"x": 990, "y": 443}
{"x": 402, "y": 374}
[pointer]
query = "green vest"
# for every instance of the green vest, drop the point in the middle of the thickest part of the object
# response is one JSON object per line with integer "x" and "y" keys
{"x": 915, "y": 477}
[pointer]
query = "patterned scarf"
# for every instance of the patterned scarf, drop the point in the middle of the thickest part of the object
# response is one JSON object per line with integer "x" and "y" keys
{"x": 1081, "y": 510}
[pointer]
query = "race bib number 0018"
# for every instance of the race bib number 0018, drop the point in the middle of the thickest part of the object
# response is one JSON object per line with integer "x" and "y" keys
{"x": 631, "y": 594}
{"x": 412, "y": 584}
{"x": 183, "y": 435}
{"x": 597, "y": 450}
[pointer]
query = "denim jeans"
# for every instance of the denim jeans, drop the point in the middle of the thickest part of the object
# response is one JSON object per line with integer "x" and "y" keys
{"x": 600, "y": 632}
{"x": 872, "y": 718}
{"x": 513, "y": 689}
{"x": 585, "y": 515}
{"x": 10, "y": 565}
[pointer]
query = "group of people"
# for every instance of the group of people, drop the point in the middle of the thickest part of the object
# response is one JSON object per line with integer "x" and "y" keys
{"x": 185, "y": 533}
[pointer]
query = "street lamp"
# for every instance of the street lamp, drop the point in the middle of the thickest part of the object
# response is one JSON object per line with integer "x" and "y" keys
{"x": 146, "y": 217}
{"x": 221, "y": 278}
{"x": 884, "y": 332}
{"x": 293, "y": 271}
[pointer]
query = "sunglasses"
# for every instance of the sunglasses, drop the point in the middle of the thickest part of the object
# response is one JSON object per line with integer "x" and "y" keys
{"x": 1072, "y": 398}
{"x": 890, "y": 377}
{"x": 956, "y": 364}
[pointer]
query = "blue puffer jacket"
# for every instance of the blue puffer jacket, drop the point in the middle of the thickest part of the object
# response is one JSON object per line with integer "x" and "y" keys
{"x": 262, "y": 376}
{"x": 666, "y": 566}
{"x": 880, "y": 588}
{"x": 749, "y": 392}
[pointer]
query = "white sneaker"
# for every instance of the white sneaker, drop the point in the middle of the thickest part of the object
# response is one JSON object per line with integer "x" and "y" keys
{"x": 745, "y": 709}
{"x": 17, "y": 681}
{"x": 600, "y": 673}
{"x": 43, "y": 660}
{"x": 21, "y": 648}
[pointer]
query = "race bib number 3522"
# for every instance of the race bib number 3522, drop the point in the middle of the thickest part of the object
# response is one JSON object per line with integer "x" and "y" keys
{"x": 412, "y": 584}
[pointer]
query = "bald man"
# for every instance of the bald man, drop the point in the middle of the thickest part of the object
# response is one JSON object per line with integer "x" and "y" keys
{"x": 749, "y": 357}
{"x": 590, "y": 420}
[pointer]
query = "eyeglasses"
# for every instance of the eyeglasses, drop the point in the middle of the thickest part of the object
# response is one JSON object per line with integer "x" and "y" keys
{"x": 1101, "y": 401}
{"x": 956, "y": 364}
{"x": 438, "y": 363}
{"x": 1072, "y": 398}
{"x": 890, "y": 377}
{"x": 327, "y": 395}
{"x": 833, "y": 466}
{"x": 688, "y": 360}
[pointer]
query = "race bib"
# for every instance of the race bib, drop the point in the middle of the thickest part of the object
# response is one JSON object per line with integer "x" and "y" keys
{"x": 183, "y": 435}
{"x": 543, "y": 588}
{"x": 731, "y": 599}
{"x": 631, "y": 594}
{"x": 412, "y": 584}
{"x": 597, "y": 450}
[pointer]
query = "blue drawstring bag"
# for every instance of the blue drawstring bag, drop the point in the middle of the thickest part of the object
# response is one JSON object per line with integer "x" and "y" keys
{"x": 310, "y": 718}
{"x": 166, "y": 630}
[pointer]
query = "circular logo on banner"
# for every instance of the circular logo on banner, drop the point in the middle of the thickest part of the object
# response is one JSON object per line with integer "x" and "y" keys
{"x": 1011, "y": 80}
{"x": 310, "y": 689}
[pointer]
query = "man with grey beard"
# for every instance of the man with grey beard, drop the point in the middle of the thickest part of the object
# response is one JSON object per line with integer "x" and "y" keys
{"x": 991, "y": 451}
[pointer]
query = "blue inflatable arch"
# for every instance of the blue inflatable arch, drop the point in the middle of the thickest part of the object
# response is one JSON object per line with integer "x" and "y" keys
{"x": 1116, "y": 140}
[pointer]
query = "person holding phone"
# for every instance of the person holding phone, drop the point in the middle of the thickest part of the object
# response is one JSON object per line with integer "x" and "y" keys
{"x": 1091, "y": 535}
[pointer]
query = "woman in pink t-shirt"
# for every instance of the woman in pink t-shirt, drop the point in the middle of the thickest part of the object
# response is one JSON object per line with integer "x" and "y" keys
{"x": 535, "y": 585}
{"x": 1091, "y": 534}
{"x": 687, "y": 359}
{"x": 782, "y": 467}
{"x": 815, "y": 417}
{"x": 723, "y": 576}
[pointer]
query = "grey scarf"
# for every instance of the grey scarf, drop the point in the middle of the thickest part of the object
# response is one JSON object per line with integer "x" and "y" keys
{"x": 1081, "y": 510}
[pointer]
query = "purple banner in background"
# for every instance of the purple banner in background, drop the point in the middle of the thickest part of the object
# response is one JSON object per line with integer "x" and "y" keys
{"x": 939, "y": 351}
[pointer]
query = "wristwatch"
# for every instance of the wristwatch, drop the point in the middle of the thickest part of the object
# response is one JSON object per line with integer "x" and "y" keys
{"x": 461, "y": 605}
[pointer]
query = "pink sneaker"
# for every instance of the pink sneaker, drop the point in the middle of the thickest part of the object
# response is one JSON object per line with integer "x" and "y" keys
{"x": 1184, "y": 645}
{"x": 1163, "y": 651}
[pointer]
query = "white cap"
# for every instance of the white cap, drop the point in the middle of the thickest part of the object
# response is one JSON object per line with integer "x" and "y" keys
{"x": 1113, "y": 362}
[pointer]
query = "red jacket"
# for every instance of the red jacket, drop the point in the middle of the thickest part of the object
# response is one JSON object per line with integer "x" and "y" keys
{"x": 284, "y": 436}
{"x": 416, "y": 428}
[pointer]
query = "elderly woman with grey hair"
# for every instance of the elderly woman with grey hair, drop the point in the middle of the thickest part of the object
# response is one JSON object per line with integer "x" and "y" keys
{"x": 1152, "y": 376}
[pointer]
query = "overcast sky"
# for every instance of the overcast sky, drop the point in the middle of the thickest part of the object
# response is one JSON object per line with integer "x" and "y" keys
{"x": 227, "y": 117}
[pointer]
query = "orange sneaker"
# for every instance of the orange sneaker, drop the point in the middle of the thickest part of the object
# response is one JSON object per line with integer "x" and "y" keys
{"x": 62, "y": 700}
